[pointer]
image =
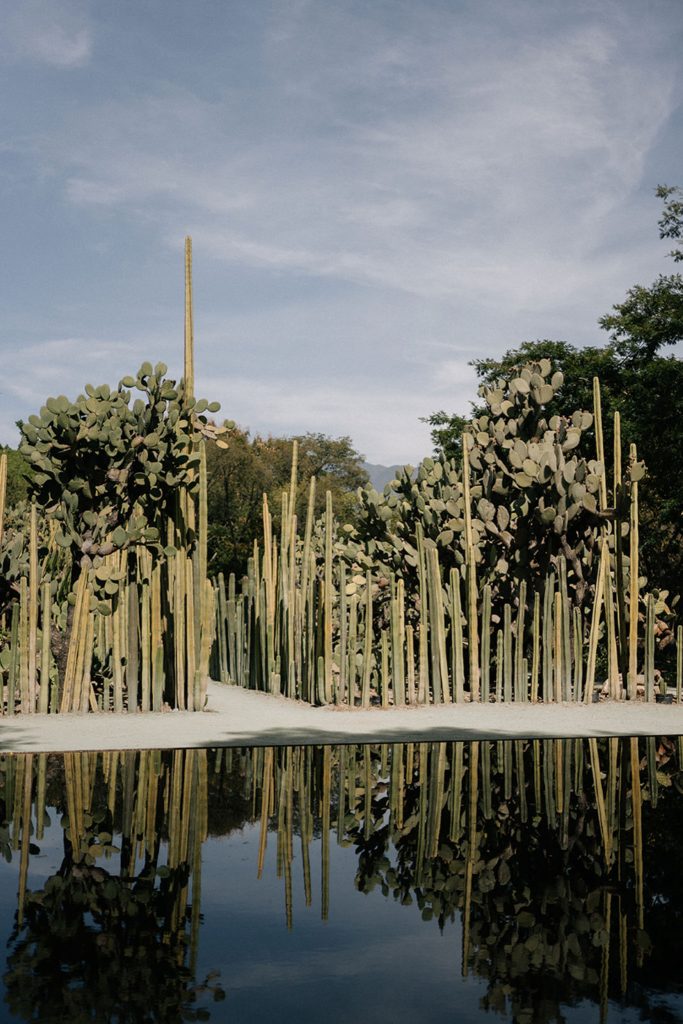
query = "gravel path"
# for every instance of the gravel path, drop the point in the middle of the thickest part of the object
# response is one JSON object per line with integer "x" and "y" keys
{"x": 237, "y": 717}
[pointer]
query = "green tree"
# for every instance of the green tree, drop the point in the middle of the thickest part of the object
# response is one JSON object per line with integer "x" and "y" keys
{"x": 637, "y": 380}
{"x": 651, "y": 318}
{"x": 240, "y": 474}
{"x": 647, "y": 320}
{"x": 18, "y": 475}
{"x": 671, "y": 221}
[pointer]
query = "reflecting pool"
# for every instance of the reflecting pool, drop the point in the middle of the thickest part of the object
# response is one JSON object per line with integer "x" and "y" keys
{"x": 526, "y": 880}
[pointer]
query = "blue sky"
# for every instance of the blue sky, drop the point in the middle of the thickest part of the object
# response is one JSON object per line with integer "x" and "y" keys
{"x": 378, "y": 192}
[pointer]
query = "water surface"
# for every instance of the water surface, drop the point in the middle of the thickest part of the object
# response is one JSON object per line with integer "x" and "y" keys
{"x": 513, "y": 880}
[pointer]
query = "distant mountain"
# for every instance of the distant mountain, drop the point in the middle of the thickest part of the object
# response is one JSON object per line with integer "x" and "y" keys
{"x": 380, "y": 476}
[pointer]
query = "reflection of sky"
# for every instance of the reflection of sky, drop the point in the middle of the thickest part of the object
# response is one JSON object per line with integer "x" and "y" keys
{"x": 377, "y": 193}
{"x": 41, "y": 866}
{"x": 373, "y": 961}
{"x": 370, "y": 961}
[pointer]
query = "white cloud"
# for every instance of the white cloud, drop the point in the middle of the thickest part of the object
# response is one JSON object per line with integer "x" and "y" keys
{"x": 410, "y": 167}
{"x": 53, "y": 32}
{"x": 57, "y": 366}
{"x": 451, "y": 178}
{"x": 382, "y": 418}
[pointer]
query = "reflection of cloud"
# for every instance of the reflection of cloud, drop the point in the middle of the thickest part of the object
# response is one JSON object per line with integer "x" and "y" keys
{"x": 48, "y": 31}
{"x": 356, "y": 962}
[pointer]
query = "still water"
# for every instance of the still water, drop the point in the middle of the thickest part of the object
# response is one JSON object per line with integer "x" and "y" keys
{"x": 529, "y": 881}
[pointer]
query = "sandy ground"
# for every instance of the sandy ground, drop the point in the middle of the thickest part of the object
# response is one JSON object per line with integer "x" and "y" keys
{"x": 238, "y": 718}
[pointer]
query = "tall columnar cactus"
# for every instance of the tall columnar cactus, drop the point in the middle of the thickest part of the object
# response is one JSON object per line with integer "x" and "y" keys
{"x": 3, "y": 491}
{"x": 534, "y": 497}
{"x": 105, "y": 592}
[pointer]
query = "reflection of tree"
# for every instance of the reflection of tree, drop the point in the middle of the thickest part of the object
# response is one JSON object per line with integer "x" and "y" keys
{"x": 663, "y": 889}
{"x": 551, "y": 917}
{"x": 104, "y": 945}
{"x": 94, "y": 947}
{"x": 555, "y": 855}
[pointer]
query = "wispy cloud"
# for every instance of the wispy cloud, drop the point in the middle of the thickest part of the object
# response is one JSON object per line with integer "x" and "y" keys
{"x": 412, "y": 165}
{"x": 53, "y": 32}
{"x": 53, "y": 367}
{"x": 433, "y": 180}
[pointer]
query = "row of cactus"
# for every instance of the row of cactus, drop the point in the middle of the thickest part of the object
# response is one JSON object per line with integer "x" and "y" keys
{"x": 104, "y": 597}
{"x": 425, "y": 615}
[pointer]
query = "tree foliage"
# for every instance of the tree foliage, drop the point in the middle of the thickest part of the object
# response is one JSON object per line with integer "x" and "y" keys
{"x": 18, "y": 475}
{"x": 240, "y": 474}
{"x": 649, "y": 319}
{"x": 671, "y": 222}
{"x": 640, "y": 382}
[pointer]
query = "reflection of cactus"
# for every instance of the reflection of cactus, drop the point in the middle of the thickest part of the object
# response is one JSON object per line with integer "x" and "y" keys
{"x": 541, "y": 859}
{"x": 119, "y": 921}
{"x": 551, "y": 857}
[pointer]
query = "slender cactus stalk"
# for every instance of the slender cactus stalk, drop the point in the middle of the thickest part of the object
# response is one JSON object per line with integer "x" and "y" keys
{"x": 650, "y": 648}
{"x": 612, "y": 638}
{"x": 578, "y": 653}
{"x": 329, "y": 601}
{"x": 557, "y": 646}
{"x": 437, "y": 629}
{"x": 520, "y": 680}
{"x": 622, "y": 633}
{"x": 565, "y": 641}
{"x": 507, "y": 653}
{"x": 188, "y": 374}
{"x": 595, "y": 624}
{"x": 536, "y": 647}
{"x": 600, "y": 444}
{"x": 472, "y": 618}
{"x": 384, "y": 669}
{"x": 45, "y": 650}
{"x": 24, "y": 647}
{"x": 3, "y": 491}
{"x": 634, "y": 586}
{"x": 423, "y": 635}
{"x": 547, "y": 645}
{"x": 485, "y": 644}
{"x": 33, "y": 583}
{"x": 367, "y": 650}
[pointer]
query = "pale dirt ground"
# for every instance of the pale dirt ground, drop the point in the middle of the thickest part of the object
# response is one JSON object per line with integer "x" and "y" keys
{"x": 235, "y": 718}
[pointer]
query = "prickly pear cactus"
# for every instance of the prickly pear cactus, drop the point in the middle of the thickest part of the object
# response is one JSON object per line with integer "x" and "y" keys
{"x": 108, "y": 471}
{"x": 534, "y": 495}
{"x": 13, "y": 553}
